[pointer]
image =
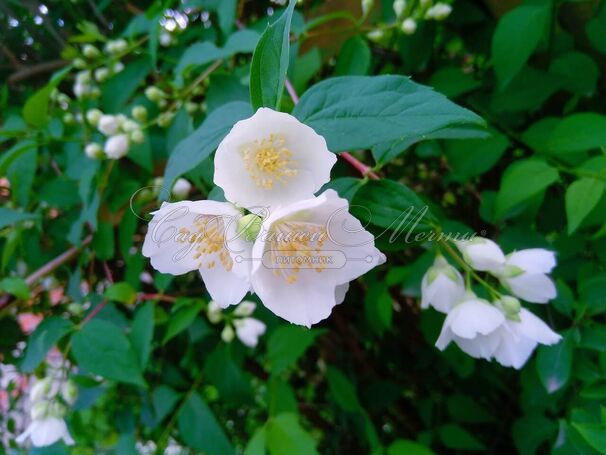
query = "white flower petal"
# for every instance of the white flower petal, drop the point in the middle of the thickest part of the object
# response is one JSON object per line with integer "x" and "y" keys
{"x": 473, "y": 317}
{"x": 482, "y": 254}
{"x": 513, "y": 350}
{"x": 480, "y": 347}
{"x": 271, "y": 159}
{"x": 248, "y": 331}
{"x": 46, "y": 432}
{"x": 533, "y": 327}
{"x": 442, "y": 293}
{"x": 340, "y": 292}
{"x": 532, "y": 287}
{"x": 533, "y": 260}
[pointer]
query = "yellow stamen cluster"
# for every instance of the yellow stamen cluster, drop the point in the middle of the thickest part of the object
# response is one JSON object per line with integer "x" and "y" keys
{"x": 301, "y": 241}
{"x": 268, "y": 161}
{"x": 209, "y": 237}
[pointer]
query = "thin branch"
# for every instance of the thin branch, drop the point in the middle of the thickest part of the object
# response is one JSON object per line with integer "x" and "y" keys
{"x": 34, "y": 70}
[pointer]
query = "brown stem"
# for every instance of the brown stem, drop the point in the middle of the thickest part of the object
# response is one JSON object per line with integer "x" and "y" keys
{"x": 35, "y": 70}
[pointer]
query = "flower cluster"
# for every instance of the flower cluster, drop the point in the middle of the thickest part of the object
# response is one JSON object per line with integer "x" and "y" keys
{"x": 48, "y": 400}
{"x": 273, "y": 237}
{"x": 239, "y": 323}
{"x": 500, "y": 329}
{"x": 94, "y": 68}
{"x": 120, "y": 131}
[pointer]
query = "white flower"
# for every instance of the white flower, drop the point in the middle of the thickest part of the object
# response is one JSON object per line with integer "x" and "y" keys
{"x": 307, "y": 250}
{"x": 201, "y": 235}
{"x": 398, "y": 7}
{"x": 181, "y": 188}
{"x": 165, "y": 39}
{"x": 81, "y": 89}
{"x": 116, "y": 146}
{"x": 482, "y": 254}
{"x": 472, "y": 325}
{"x": 518, "y": 339}
{"x": 442, "y": 286}
{"x": 299, "y": 264}
{"x": 438, "y": 12}
{"x": 108, "y": 124}
{"x": 271, "y": 159}
{"x": 409, "y": 26}
{"x": 41, "y": 390}
{"x": 248, "y": 331}
{"x": 525, "y": 274}
{"x": 45, "y": 432}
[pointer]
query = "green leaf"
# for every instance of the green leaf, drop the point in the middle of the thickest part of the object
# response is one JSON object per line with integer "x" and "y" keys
{"x": 280, "y": 396}
{"x": 35, "y": 110}
{"x": 200, "y": 430}
{"x": 270, "y": 62}
{"x": 578, "y": 132}
{"x": 119, "y": 89}
{"x": 581, "y": 198}
{"x": 457, "y": 438}
{"x": 12, "y": 154}
{"x": 121, "y": 292}
{"x": 472, "y": 157}
{"x": 462, "y": 408}
{"x": 284, "y": 435}
{"x": 256, "y": 445}
{"x": 521, "y": 181}
{"x": 8, "y": 217}
{"x": 517, "y": 36}
{"x": 47, "y": 334}
{"x": 579, "y": 72}
{"x": 227, "y": 376}
{"x": 392, "y": 205}
{"x": 406, "y": 447}
{"x": 181, "y": 319}
{"x": 347, "y": 187}
{"x": 595, "y": 30}
{"x": 453, "y": 82}
{"x": 192, "y": 150}
{"x": 286, "y": 344}
{"x": 527, "y": 442}
{"x": 164, "y": 399}
{"x": 594, "y": 434}
{"x": 343, "y": 391}
{"x": 101, "y": 348}
{"x": 103, "y": 241}
{"x": 354, "y": 58}
{"x": 16, "y": 286}
{"x": 142, "y": 333}
{"x": 554, "y": 364}
{"x": 360, "y": 112}
{"x": 378, "y": 307}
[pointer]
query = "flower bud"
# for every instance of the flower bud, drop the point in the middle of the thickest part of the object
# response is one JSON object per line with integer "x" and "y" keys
{"x": 245, "y": 308}
{"x": 69, "y": 392}
{"x": 40, "y": 410}
{"x": 510, "y": 306}
{"x": 191, "y": 107}
{"x": 227, "y": 334}
{"x": 93, "y": 116}
{"x": 438, "y": 12}
{"x": 398, "y": 7}
{"x": 101, "y": 74}
{"x": 90, "y": 51}
{"x": 165, "y": 119}
{"x": 137, "y": 136}
{"x": 409, "y": 26}
{"x": 118, "y": 67}
{"x": 375, "y": 35}
{"x": 116, "y": 46}
{"x": 108, "y": 124}
{"x": 41, "y": 390}
{"x": 68, "y": 118}
{"x": 79, "y": 63}
{"x": 165, "y": 39}
{"x": 249, "y": 226}
{"x": 75, "y": 308}
{"x": 116, "y": 146}
{"x": 93, "y": 151}
{"x": 213, "y": 312}
{"x": 83, "y": 77}
{"x": 139, "y": 113}
{"x": 367, "y": 6}
{"x": 181, "y": 188}
{"x": 129, "y": 125}
{"x": 154, "y": 94}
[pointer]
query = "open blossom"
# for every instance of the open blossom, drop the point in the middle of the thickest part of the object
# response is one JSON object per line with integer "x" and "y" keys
{"x": 45, "y": 432}
{"x": 442, "y": 286}
{"x": 271, "y": 159}
{"x": 248, "y": 331}
{"x": 525, "y": 274}
{"x": 299, "y": 263}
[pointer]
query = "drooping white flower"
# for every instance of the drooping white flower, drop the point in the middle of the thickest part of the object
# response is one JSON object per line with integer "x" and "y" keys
{"x": 518, "y": 339}
{"x": 525, "y": 274}
{"x": 481, "y": 253}
{"x": 116, "y": 146}
{"x": 45, "y": 432}
{"x": 472, "y": 324}
{"x": 248, "y": 331}
{"x": 181, "y": 188}
{"x": 308, "y": 250}
{"x": 108, "y": 124}
{"x": 271, "y": 159}
{"x": 439, "y": 11}
{"x": 442, "y": 286}
{"x": 201, "y": 235}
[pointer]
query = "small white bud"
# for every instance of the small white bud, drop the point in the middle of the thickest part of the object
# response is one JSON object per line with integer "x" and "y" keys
{"x": 116, "y": 146}
{"x": 81, "y": 90}
{"x": 245, "y": 308}
{"x": 181, "y": 188}
{"x": 139, "y": 113}
{"x": 93, "y": 116}
{"x": 90, "y": 51}
{"x": 40, "y": 390}
{"x": 165, "y": 39}
{"x": 79, "y": 63}
{"x": 438, "y": 12}
{"x": 68, "y": 118}
{"x": 116, "y": 46}
{"x": 367, "y": 6}
{"x": 69, "y": 392}
{"x": 93, "y": 151}
{"x": 129, "y": 125}
{"x": 137, "y": 136}
{"x": 108, "y": 124}
{"x": 376, "y": 35}
{"x": 191, "y": 107}
{"x": 118, "y": 67}
{"x": 409, "y": 26}
{"x": 227, "y": 334}
{"x": 154, "y": 94}
{"x": 83, "y": 77}
{"x": 398, "y": 7}
{"x": 101, "y": 74}
{"x": 165, "y": 119}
